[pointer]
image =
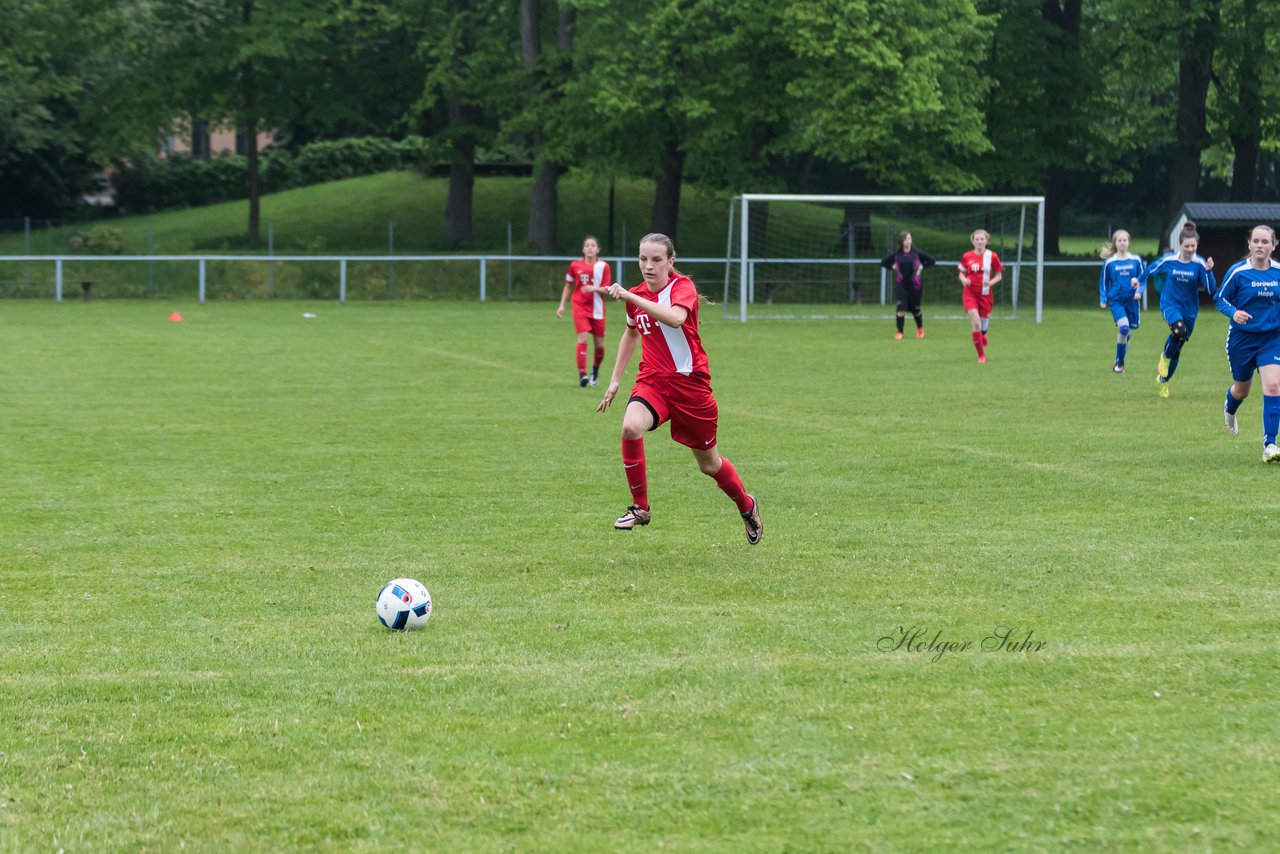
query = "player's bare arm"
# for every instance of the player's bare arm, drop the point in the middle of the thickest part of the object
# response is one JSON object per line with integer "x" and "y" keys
{"x": 626, "y": 348}
{"x": 667, "y": 315}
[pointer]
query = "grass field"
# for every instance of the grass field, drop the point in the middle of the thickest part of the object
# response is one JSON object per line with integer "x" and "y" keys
{"x": 197, "y": 516}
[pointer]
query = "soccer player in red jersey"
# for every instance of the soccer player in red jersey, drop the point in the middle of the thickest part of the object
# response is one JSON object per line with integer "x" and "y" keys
{"x": 673, "y": 383}
{"x": 979, "y": 272}
{"x": 586, "y": 280}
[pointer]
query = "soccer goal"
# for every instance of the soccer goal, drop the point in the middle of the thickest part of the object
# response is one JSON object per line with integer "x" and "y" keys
{"x": 819, "y": 256}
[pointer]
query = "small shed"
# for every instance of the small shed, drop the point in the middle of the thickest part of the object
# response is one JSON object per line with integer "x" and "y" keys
{"x": 1224, "y": 228}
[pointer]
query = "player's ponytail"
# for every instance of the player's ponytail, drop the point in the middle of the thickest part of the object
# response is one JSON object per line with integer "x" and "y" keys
{"x": 1189, "y": 230}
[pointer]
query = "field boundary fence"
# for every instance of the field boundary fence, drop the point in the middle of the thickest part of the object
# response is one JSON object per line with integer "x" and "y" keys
{"x": 482, "y": 277}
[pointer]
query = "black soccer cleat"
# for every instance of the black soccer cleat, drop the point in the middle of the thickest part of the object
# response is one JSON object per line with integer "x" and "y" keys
{"x": 751, "y": 521}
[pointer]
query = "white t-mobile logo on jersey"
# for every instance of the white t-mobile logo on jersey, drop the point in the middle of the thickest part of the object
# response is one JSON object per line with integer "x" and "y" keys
{"x": 643, "y": 323}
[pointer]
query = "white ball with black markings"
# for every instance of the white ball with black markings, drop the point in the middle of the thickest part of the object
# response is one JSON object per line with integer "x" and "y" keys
{"x": 404, "y": 604}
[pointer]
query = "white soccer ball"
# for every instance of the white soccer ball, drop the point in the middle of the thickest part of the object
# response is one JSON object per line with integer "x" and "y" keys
{"x": 403, "y": 603}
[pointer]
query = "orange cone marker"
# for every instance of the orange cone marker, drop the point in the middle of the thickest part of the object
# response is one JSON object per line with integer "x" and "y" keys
{"x": 176, "y": 317}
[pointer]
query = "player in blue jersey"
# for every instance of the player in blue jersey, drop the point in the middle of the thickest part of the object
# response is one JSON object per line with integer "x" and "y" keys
{"x": 1184, "y": 273}
{"x": 1120, "y": 289}
{"x": 1250, "y": 296}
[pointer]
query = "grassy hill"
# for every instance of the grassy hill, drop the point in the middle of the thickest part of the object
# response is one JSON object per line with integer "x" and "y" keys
{"x": 352, "y": 216}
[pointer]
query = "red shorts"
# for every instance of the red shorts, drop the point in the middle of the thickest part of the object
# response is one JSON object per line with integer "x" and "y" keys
{"x": 687, "y": 402}
{"x": 584, "y": 322}
{"x": 973, "y": 298}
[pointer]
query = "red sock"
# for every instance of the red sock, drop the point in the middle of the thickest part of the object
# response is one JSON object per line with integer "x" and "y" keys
{"x": 977, "y": 342}
{"x": 599, "y": 356}
{"x": 582, "y": 357}
{"x": 633, "y": 465}
{"x": 728, "y": 481}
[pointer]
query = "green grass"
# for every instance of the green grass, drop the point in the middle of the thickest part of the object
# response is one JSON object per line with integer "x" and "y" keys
{"x": 197, "y": 517}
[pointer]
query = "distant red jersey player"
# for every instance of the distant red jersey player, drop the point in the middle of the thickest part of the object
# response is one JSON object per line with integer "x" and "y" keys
{"x": 586, "y": 280}
{"x": 979, "y": 273}
{"x": 673, "y": 383}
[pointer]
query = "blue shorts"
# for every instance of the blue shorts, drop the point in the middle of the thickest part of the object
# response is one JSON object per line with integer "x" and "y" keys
{"x": 1247, "y": 351}
{"x": 1130, "y": 308}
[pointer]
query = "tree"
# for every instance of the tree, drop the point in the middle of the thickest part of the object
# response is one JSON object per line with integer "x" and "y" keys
{"x": 701, "y": 95}
{"x": 470, "y": 54}
{"x": 1042, "y": 108}
{"x": 1197, "y": 40}
{"x": 51, "y": 64}
{"x": 893, "y": 89}
{"x": 546, "y": 75}
{"x": 1245, "y": 94}
{"x": 237, "y": 62}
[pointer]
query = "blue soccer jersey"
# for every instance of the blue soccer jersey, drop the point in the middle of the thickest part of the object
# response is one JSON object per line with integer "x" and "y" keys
{"x": 1180, "y": 297}
{"x": 1254, "y": 291}
{"x": 1115, "y": 282}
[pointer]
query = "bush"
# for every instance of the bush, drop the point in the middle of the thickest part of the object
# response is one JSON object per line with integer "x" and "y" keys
{"x": 150, "y": 183}
{"x": 98, "y": 240}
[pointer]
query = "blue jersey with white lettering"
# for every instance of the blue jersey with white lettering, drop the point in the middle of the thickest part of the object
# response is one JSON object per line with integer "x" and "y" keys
{"x": 1254, "y": 291}
{"x": 1183, "y": 280}
{"x": 1114, "y": 284}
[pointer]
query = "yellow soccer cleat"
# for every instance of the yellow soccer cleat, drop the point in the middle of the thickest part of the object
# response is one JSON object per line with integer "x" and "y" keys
{"x": 1162, "y": 367}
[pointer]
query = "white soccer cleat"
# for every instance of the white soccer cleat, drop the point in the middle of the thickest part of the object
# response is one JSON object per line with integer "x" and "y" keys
{"x": 1229, "y": 421}
{"x": 1271, "y": 453}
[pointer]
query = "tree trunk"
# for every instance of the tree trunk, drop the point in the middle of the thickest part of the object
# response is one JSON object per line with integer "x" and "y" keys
{"x": 1245, "y": 129}
{"x": 1055, "y": 189}
{"x": 249, "y": 88}
{"x": 543, "y": 203}
{"x": 462, "y": 178}
{"x": 1195, "y": 67}
{"x": 544, "y": 196}
{"x": 666, "y": 196}
{"x": 1065, "y": 16}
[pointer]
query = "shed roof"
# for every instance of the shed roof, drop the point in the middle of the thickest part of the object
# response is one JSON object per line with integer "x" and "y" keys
{"x": 1230, "y": 213}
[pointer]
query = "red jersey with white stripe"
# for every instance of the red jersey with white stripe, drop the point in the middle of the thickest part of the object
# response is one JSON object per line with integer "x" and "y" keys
{"x": 668, "y": 350}
{"x": 580, "y": 274}
{"x": 975, "y": 264}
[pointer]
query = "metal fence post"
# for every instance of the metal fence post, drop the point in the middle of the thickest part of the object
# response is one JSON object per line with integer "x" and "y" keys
{"x": 271, "y": 265}
{"x": 342, "y": 281}
{"x": 482, "y": 279}
{"x": 391, "y": 250}
{"x": 151, "y": 281}
{"x": 57, "y": 288}
{"x": 202, "y": 281}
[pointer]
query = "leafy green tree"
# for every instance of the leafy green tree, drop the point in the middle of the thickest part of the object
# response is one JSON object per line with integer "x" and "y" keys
{"x": 696, "y": 91}
{"x": 894, "y": 89}
{"x": 52, "y": 62}
{"x": 546, "y": 72}
{"x": 1245, "y": 95}
{"x": 239, "y": 62}
{"x": 470, "y": 50}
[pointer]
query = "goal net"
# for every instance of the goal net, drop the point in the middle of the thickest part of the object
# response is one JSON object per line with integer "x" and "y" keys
{"x": 819, "y": 256}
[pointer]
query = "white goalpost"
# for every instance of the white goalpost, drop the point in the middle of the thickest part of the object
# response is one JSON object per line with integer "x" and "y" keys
{"x": 799, "y": 255}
